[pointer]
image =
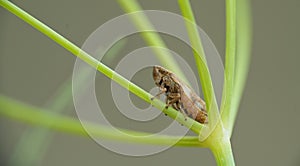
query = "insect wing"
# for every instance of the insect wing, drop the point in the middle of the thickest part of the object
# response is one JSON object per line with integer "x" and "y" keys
{"x": 191, "y": 103}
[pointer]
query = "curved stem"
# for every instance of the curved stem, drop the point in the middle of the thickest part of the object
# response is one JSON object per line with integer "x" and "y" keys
{"x": 41, "y": 117}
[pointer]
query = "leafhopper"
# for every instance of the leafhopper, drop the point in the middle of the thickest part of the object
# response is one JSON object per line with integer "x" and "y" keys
{"x": 179, "y": 95}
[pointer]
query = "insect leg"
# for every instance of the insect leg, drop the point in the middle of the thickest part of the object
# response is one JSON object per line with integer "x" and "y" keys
{"x": 172, "y": 98}
{"x": 176, "y": 105}
{"x": 161, "y": 91}
{"x": 183, "y": 110}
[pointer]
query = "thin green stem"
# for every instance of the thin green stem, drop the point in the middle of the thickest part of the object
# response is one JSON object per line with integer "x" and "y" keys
{"x": 199, "y": 54}
{"x": 151, "y": 37}
{"x": 45, "y": 118}
{"x": 203, "y": 71}
{"x": 218, "y": 139}
{"x": 244, "y": 39}
{"x": 230, "y": 56}
{"x": 193, "y": 125}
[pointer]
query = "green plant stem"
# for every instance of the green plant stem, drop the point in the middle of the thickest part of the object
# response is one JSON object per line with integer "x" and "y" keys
{"x": 203, "y": 71}
{"x": 217, "y": 139}
{"x": 193, "y": 125}
{"x": 244, "y": 38}
{"x": 230, "y": 56}
{"x": 199, "y": 54}
{"x": 41, "y": 117}
{"x": 223, "y": 153}
{"x": 151, "y": 37}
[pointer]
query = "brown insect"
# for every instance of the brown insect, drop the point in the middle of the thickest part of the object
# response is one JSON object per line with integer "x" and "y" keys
{"x": 179, "y": 95}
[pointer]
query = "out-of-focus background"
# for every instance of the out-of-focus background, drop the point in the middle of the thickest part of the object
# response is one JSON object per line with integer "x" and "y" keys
{"x": 267, "y": 132}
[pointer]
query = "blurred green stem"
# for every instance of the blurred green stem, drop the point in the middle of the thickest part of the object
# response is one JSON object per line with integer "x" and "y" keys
{"x": 244, "y": 40}
{"x": 150, "y": 35}
{"x": 230, "y": 57}
{"x": 34, "y": 142}
{"x": 41, "y": 117}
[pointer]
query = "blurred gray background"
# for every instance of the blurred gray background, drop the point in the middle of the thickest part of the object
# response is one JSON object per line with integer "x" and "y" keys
{"x": 32, "y": 67}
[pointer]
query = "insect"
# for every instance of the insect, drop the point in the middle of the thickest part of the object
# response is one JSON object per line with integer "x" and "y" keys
{"x": 179, "y": 95}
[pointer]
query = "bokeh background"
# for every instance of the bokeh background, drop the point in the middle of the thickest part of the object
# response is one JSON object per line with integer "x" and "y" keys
{"x": 32, "y": 67}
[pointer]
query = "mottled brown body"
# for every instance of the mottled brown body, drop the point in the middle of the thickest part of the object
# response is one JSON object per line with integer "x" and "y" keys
{"x": 179, "y": 95}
